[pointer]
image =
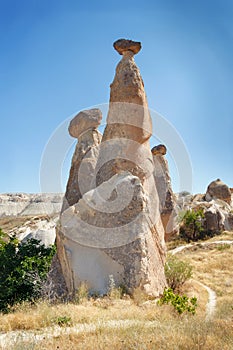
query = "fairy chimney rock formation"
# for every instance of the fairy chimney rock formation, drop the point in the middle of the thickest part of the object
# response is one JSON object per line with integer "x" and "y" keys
{"x": 125, "y": 143}
{"x": 84, "y": 127}
{"x": 114, "y": 228}
{"x": 166, "y": 197}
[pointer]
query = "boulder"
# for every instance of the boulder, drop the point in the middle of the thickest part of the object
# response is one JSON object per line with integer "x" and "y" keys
{"x": 217, "y": 213}
{"x": 218, "y": 190}
{"x": 85, "y": 120}
{"x": 123, "y": 45}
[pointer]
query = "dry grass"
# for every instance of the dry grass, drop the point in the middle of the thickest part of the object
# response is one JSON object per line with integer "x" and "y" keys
{"x": 213, "y": 267}
{"x": 183, "y": 333}
{"x": 156, "y": 327}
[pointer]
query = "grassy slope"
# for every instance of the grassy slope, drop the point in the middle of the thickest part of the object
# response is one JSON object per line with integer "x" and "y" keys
{"x": 160, "y": 327}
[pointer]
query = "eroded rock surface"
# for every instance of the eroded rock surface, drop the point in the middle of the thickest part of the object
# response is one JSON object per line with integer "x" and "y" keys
{"x": 167, "y": 201}
{"x": 81, "y": 178}
{"x": 218, "y": 214}
{"x": 218, "y": 190}
{"x": 113, "y": 228}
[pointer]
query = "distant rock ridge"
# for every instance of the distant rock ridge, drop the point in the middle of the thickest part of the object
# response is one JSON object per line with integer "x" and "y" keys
{"x": 24, "y": 204}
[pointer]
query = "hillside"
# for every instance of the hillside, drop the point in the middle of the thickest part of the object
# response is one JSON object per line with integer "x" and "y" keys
{"x": 115, "y": 322}
{"x": 22, "y": 204}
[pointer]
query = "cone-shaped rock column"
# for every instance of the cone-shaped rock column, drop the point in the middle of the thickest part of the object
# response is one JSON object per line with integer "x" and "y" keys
{"x": 114, "y": 231}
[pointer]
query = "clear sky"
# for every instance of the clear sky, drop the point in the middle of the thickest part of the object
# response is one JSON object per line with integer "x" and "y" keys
{"x": 57, "y": 58}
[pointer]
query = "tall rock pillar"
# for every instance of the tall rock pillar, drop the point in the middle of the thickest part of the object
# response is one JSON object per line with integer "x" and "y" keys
{"x": 115, "y": 229}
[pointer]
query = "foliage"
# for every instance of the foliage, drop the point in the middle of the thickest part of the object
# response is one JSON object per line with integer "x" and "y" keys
{"x": 62, "y": 321}
{"x": 191, "y": 228}
{"x": 181, "y": 303}
{"x": 222, "y": 247}
{"x": 177, "y": 272}
{"x": 23, "y": 268}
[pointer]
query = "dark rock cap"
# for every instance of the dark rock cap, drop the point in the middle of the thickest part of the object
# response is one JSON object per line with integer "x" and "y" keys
{"x": 123, "y": 45}
{"x": 160, "y": 149}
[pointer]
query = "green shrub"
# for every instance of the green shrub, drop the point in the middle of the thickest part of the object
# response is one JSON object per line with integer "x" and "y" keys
{"x": 177, "y": 272}
{"x": 62, "y": 321}
{"x": 23, "y": 269}
{"x": 191, "y": 228}
{"x": 181, "y": 303}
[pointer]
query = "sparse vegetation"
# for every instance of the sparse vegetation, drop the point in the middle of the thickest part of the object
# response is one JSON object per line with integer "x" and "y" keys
{"x": 136, "y": 323}
{"x": 62, "y": 321}
{"x": 23, "y": 269}
{"x": 191, "y": 228}
{"x": 181, "y": 303}
{"x": 177, "y": 272}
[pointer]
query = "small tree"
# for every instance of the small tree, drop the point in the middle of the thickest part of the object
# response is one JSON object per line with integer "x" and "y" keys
{"x": 23, "y": 268}
{"x": 177, "y": 272}
{"x": 191, "y": 228}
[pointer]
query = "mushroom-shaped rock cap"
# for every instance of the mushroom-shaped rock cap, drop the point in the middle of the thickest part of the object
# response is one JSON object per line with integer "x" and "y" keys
{"x": 85, "y": 120}
{"x": 123, "y": 45}
{"x": 160, "y": 149}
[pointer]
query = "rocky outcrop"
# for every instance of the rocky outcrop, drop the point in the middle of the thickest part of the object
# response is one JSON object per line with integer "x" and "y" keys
{"x": 108, "y": 242}
{"x": 22, "y": 204}
{"x": 114, "y": 228}
{"x": 81, "y": 179}
{"x": 167, "y": 200}
{"x": 218, "y": 190}
{"x": 218, "y": 214}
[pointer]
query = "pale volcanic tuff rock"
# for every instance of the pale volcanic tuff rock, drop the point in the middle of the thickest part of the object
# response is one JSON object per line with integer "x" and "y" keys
{"x": 85, "y": 120}
{"x": 167, "y": 200}
{"x": 22, "y": 204}
{"x": 218, "y": 190}
{"x": 102, "y": 242}
{"x": 125, "y": 143}
{"x": 115, "y": 228}
{"x": 218, "y": 214}
{"x": 84, "y": 127}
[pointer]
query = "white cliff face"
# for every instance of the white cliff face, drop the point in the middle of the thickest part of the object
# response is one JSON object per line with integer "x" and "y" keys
{"x": 39, "y": 213}
{"x": 22, "y": 204}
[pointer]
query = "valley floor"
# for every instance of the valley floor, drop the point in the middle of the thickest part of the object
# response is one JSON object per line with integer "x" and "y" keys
{"x": 136, "y": 323}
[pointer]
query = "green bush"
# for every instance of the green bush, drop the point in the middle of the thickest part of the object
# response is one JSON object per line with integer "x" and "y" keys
{"x": 23, "y": 269}
{"x": 191, "y": 228}
{"x": 181, "y": 303}
{"x": 63, "y": 321}
{"x": 177, "y": 272}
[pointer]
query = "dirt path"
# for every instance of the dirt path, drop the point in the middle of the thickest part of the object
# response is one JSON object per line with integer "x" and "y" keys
{"x": 212, "y": 299}
{"x": 10, "y": 339}
{"x": 203, "y": 244}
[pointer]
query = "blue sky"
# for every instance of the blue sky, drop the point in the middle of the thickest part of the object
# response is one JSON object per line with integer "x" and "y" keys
{"x": 57, "y": 58}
